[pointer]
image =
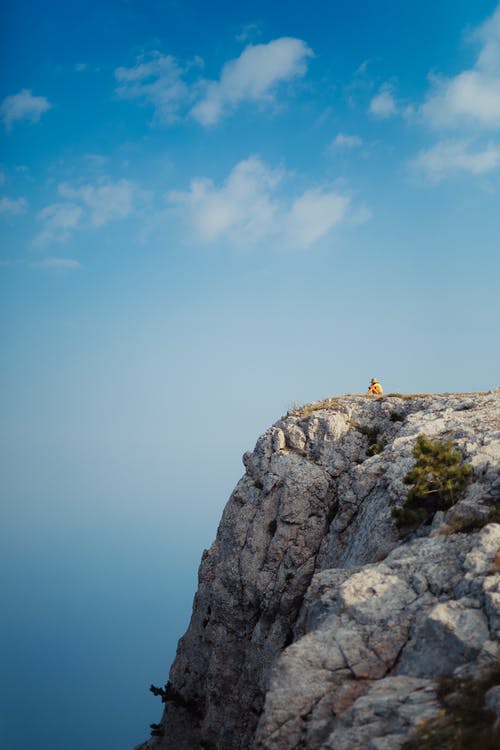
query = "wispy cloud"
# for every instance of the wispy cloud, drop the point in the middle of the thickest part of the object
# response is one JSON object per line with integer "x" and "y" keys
{"x": 58, "y": 221}
{"x": 472, "y": 96}
{"x": 343, "y": 141}
{"x": 312, "y": 215}
{"x": 157, "y": 82}
{"x": 85, "y": 206}
{"x": 23, "y": 106}
{"x": 254, "y": 76}
{"x": 251, "y": 30}
{"x": 383, "y": 104}
{"x": 14, "y": 207}
{"x": 103, "y": 202}
{"x": 451, "y": 157}
{"x": 57, "y": 264}
{"x": 248, "y": 209}
{"x": 96, "y": 161}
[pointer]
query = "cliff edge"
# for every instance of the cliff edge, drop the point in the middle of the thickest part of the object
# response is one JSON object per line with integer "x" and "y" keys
{"x": 318, "y": 623}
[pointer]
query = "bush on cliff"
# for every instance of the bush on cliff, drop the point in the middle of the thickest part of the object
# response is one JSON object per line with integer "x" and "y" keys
{"x": 439, "y": 476}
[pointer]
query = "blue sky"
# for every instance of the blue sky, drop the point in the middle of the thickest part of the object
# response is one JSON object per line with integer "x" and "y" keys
{"x": 209, "y": 212}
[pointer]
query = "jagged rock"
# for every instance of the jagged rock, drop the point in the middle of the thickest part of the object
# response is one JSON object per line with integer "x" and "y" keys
{"x": 315, "y": 626}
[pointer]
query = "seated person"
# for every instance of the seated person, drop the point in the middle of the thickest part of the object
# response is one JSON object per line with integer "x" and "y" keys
{"x": 375, "y": 388}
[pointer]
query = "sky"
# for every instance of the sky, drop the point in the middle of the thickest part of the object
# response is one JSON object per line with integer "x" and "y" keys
{"x": 210, "y": 212}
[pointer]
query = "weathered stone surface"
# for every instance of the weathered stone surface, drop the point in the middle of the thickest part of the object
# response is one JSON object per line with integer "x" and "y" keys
{"x": 314, "y": 625}
{"x": 492, "y": 700}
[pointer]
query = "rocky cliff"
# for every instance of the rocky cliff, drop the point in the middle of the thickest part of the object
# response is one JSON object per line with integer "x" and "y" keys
{"x": 318, "y": 624}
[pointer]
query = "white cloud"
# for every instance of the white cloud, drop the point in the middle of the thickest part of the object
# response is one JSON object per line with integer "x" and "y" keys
{"x": 57, "y": 264}
{"x": 23, "y": 106}
{"x": 383, "y": 104}
{"x": 86, "y": 206}
{"x": 96, "y": 161}
{"x": 58, "y": 220}
{"x": 454, "y": 156}
{"x": 14, "y": 207}
{"x": 157, "y": 82}
{"x": 472, "y": 96}
{"x": 313, "y": 215}
{"x": 253, "y": 77}
{"x": 104, "y": 202}
{"x": 344, "y": 141}
{"x": 248, "y": 210}
{"x": 242, "y": 209}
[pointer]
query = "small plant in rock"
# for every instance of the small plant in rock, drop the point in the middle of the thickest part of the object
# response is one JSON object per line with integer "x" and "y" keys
{"x": 372, "y": 432}
{"x": 439, "y": 477}
{"x": 376, "y": 448}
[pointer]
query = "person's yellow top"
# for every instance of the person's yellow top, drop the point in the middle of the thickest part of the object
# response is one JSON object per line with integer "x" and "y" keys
{"x": 375, "y": 388}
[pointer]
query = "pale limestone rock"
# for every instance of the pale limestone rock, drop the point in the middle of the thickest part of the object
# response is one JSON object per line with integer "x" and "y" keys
{"x": 485, "y": 557}
{"x": 295, "y": 438}
{"x": 315, "y": 627}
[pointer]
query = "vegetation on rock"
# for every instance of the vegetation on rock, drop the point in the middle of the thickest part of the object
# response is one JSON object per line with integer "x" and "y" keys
{"x": 439, "y": 477}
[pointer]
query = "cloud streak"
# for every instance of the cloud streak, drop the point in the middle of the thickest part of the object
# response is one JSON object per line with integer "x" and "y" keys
{"x": 14, "y": 207}
{"x": 57, "y": 264}
{"x": 450, "y": 157}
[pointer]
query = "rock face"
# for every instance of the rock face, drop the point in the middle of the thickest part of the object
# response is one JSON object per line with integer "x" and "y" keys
{"x": 315, "y": 626}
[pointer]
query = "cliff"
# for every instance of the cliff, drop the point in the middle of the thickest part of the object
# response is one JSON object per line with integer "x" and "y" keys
{"x": 318, "y": 623}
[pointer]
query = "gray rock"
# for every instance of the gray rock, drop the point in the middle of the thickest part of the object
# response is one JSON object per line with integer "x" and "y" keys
{"x": 492, "y": 700}
{"x": 314, "y": 625}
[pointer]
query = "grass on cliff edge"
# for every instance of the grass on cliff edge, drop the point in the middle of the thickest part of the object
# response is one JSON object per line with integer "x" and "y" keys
{"x": 464, "y": 721}
{"x": 328, "y": 403}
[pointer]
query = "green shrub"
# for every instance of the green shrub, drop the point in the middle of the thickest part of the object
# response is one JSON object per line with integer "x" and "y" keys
{"x": 438, "y": 476}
